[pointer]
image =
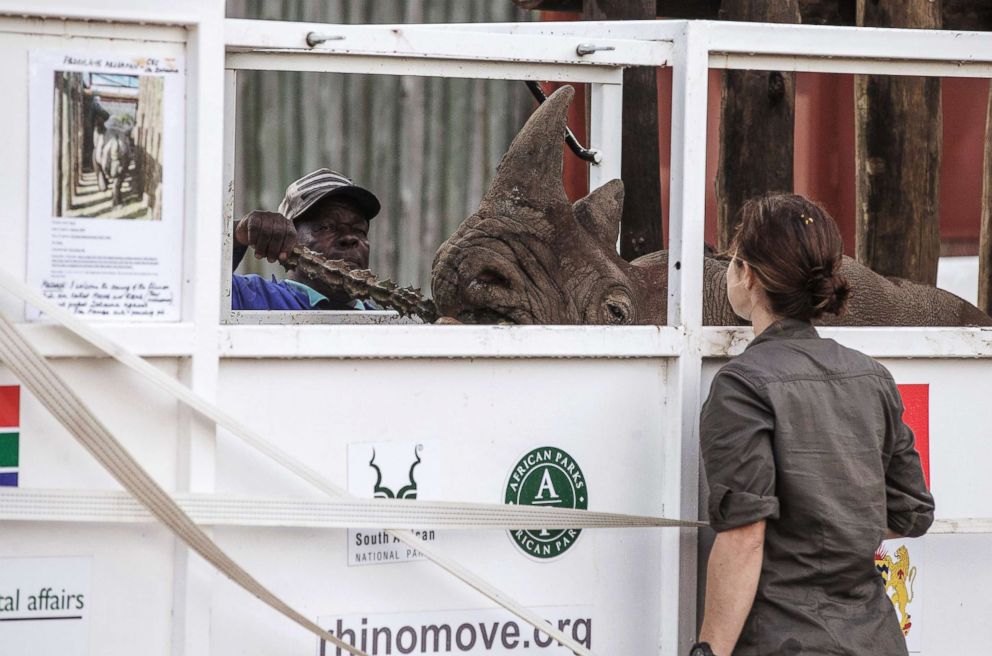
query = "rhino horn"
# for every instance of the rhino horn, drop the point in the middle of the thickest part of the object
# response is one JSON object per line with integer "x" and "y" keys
{"x": 530, "y": 171}
{"x": 599, "y": 213}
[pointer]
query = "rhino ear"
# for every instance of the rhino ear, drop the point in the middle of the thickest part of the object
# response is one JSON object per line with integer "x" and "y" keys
{"x": 600, "y": 212}
{"x": 530, "y": 171}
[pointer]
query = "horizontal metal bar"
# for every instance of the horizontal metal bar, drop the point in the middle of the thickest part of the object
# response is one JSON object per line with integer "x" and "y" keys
{"x": 391, "y": 65}
{"x": 647, "y": 30}
{"x": 77, "y": 29}
{"x": 961, "y": 526}
{"x": 449, "y": 342}
{"x": 849, "y": 65}
{"x": 876, "y": 342}
{"x": 418, "y": 341}
{"x": 807, "y": 41}
{"x": 148, "y": 13}
{"x": 147, "y": 340}
{"x": 314, "y": 317}
{"x": 820, "y": 41}
{"x": 424, "y": 42}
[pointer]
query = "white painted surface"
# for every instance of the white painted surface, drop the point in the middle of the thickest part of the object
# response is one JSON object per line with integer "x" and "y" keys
{"x": 605, "y": 103}
{"x": 144, "y": 421}
{"x": 624, "y": 402}
{"x": 427, "y": 43}
{"x": 484, "y": 415}
{"x": 685, "y": 310}
{"x": 959, "y": 275}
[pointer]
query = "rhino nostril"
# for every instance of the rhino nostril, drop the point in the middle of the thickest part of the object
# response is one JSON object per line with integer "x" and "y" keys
{"x": 492, "y": 278}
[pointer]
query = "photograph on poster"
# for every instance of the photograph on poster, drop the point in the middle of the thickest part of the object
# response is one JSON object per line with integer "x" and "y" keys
{"x": 107, "y": 150}
{"x": 105, "y": 224}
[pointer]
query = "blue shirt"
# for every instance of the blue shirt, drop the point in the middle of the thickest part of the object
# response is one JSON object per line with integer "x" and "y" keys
{"x": 252, "y": 292}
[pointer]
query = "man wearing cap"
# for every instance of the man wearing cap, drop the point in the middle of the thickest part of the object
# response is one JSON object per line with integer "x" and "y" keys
{"x": 324, "y": 211}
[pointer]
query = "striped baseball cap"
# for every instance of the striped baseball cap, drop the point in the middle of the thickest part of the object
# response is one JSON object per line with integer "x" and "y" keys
{"x": 302, "y": 194}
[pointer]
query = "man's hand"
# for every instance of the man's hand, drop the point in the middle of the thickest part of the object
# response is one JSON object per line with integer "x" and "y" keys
{"x": 270, "y": 234}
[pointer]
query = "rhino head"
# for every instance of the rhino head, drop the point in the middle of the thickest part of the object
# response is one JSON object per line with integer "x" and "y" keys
{"x": 529, "y": 256}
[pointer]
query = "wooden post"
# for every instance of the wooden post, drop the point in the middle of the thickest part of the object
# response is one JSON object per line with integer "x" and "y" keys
{"x": 985, "y": 244}
{"x": 640, "y": 226}
{"x": 757, "y": 117}
{"x": 898, "y": 133}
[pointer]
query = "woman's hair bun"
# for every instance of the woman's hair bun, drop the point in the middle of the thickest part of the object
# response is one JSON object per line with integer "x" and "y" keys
{"x": 828, "y": 293}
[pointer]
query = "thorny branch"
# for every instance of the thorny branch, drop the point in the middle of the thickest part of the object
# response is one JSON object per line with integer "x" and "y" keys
{"x": 362, "y": 284}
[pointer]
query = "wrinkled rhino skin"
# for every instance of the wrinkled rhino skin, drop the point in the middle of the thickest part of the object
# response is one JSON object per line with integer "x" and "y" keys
{"x": 528, "y": 256}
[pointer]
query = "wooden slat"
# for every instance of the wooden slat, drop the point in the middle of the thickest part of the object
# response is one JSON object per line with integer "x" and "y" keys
{"x": 757, "y": 122}
{"x": 898, "y": 131}
{"x": 640, "y": 225}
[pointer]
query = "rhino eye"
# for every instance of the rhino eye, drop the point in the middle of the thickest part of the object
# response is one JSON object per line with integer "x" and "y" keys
{"x": 617, "y": 309}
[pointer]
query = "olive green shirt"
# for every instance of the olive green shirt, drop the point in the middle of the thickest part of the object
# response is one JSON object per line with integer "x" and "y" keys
{"x": 808, "y": 435}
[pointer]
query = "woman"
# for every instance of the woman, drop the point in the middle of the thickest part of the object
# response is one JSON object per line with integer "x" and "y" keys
{"x": 808, "y": 461}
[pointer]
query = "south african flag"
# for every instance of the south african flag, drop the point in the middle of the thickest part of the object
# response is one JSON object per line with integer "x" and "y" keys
{"x": 10, "y": 434}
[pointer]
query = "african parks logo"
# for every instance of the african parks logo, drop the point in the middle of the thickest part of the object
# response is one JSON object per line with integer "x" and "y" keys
{"x": 546, "y": 476}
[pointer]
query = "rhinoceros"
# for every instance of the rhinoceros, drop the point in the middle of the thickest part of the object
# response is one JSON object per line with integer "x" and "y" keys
{"x": 529, "y": 256}
{"x": 113, "y": 150}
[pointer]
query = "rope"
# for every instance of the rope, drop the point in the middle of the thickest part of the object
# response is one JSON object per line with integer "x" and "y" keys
{"x": 39, "y": 377}
{"x": 223, "y": 419}
{"x": 34, "y": 504}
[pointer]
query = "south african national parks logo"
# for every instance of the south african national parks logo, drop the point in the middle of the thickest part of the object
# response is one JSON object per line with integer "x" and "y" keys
{"x": 546, "y": 476}
{"x": 391, "y": 470}
{"x": 408, "y": 491}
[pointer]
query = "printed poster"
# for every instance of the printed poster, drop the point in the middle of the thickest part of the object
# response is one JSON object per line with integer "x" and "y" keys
{"x": 105, "y": 212}
{"x": 45, "y": 606}
{"x": 391, "y": 470}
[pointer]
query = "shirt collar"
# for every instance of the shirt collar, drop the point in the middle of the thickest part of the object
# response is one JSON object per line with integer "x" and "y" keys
{"x": 315, "y": 298}
{"x": 786, "y": 329}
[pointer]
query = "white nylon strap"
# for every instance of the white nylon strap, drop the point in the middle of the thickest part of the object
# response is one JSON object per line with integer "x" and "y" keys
{"x": 221, "y": 418}
{"x": 34, "y": 504}
{"x": 39, "y": 377}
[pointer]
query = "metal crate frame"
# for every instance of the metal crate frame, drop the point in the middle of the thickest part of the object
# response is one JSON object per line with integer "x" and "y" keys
{"x": 217, "y": 47}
